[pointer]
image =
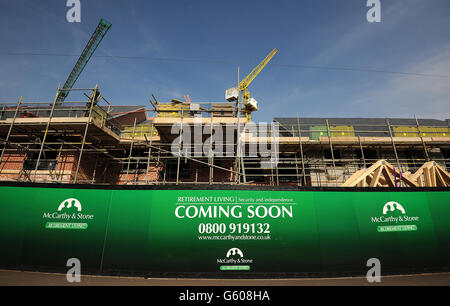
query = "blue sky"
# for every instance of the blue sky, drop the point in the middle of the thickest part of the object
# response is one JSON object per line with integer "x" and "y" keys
{"x": 194, "y": 47}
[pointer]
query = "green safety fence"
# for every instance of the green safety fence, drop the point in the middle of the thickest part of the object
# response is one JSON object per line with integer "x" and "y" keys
{"x": 223, "y": 231}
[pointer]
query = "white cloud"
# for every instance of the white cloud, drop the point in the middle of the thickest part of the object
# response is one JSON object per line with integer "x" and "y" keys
{"x": 150, "y": 45}
{"x": 392, "y": 15}
{"x": 404, "y": 96}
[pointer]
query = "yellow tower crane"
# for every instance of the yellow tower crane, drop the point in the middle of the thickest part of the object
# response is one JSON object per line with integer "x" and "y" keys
{"x": 249, "y": 105}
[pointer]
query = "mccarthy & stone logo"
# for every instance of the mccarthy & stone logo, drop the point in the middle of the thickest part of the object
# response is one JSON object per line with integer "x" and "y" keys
{"x": 67, "y": 216}
{"x": 392, "y": 206}
{"x": 234, "y": 251}
{"x": 395, "y": 219}
{"x": 70, "y": 203}
{"x": 234, "y": 260}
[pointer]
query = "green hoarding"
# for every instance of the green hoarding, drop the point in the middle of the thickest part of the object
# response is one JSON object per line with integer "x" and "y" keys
{"x": 223, "y": 231}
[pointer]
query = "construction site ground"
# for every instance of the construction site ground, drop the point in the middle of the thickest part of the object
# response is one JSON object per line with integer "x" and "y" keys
{"x": 25, "y": 278}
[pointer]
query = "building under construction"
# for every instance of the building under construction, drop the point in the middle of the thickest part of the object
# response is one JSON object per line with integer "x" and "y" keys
{"x": 94, "y": 142}
{"x": 91, "y": 141}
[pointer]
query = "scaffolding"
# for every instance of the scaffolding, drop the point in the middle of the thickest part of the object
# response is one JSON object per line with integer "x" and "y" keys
{"x": 38, "y": 129}
{"x": 85, "y": 142}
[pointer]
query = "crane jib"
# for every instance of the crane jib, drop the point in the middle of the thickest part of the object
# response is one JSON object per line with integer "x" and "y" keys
{"x": 248, "y": 79}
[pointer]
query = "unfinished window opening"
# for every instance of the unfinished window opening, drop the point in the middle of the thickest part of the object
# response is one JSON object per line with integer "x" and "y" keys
{"x": 289, "y": 170}
{"x": 138, "y": 162}
{"x": 170, "y": 170}
{"x": 371, "y": 156}
{"x": 446, "y": 156}
{"x": 337, "y": 157}
{"x": 47, "y": 161}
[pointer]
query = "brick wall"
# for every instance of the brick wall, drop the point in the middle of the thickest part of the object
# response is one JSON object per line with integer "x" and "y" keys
{"x": 11, "y": 165}
{"x": 140, "y": 177}
{"x": 106, "y": 171}
{"x": 201, "y": 173}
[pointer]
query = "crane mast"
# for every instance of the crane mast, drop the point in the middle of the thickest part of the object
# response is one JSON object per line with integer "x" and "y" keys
{"x": 94, "y": 41}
